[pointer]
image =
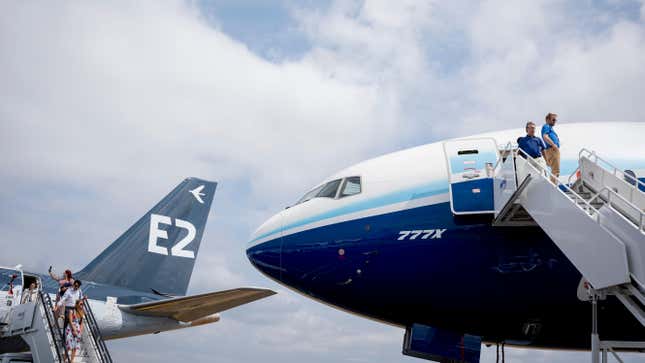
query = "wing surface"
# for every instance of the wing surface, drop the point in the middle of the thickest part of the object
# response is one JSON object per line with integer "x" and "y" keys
{"x": 189, "y": 308}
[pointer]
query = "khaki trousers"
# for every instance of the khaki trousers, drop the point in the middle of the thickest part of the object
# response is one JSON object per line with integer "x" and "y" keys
{"x": 552, "y": 156}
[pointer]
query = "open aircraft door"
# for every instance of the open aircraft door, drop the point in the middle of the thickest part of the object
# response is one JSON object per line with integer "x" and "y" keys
{"x": 470, "y": 165}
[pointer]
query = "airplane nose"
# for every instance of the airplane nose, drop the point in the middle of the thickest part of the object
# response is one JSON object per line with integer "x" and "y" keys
{"x": 264, "y": 250}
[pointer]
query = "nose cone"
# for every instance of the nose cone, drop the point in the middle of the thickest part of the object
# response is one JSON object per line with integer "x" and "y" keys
{"x": 264, "y": 250}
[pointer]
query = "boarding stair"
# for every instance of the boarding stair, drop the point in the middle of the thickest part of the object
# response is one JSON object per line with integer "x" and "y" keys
{"x": 97, "y": 350}
{"x": 35, "y": 323}
{"x": 601, "y": 208}
{"x": 596, "y": 218}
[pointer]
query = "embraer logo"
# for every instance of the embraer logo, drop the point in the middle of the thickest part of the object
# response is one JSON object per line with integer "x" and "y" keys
{"x": 425, "y": 234}
{"x": 176, "y": 250}
{"x": 197, "y": 193}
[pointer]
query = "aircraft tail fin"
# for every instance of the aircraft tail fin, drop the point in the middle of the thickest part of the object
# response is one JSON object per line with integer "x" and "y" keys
{"x": 158, "y": 252}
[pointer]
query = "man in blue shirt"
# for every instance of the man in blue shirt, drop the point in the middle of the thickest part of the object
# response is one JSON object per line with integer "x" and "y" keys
{"x": 532, "y": 145}
{"x": 552, "y": 152}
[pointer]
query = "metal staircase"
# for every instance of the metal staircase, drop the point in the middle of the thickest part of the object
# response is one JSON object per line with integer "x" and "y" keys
{"x": 35, "y": 323}
{"x": 92, "y": 335}
{"x": 54, "y": 333}
{"x": 597, "y": 221}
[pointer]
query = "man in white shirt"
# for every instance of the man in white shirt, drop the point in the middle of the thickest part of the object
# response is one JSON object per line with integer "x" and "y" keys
{"x": 71, "y": 295}
{"x": 69, "y": 300}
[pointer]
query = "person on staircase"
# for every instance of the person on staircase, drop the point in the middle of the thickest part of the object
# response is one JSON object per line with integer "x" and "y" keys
{"x": 552, "y": 152}
{"x": 74, "y": 330}
{"x": 69, "y": 300}
{"x": 532, "y": 146}
{"x": 64, "y": 282}
{"x": 31, "y": 294}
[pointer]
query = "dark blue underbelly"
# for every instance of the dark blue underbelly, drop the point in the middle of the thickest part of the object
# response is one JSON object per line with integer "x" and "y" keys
{"x": 476, "y": 279}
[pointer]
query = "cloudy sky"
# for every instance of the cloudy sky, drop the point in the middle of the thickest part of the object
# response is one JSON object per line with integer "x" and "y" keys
{"x": 107, "y": 105}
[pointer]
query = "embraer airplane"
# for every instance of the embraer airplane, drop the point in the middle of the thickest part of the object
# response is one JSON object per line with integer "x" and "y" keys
{"x": 137, "y": 285}
{"x": 457, "y": 243}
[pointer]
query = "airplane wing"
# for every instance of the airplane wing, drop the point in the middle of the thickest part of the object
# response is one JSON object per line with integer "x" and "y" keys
{"x": 189, "y": 308}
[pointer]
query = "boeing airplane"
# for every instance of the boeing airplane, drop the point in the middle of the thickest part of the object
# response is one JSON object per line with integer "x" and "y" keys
{"x": 138, "y": 284}
{"x": 410, "y": 239}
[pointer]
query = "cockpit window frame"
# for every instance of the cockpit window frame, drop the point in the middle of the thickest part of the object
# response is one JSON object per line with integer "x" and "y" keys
{"x": 339, "y": 188}
{"x": 316, "y": 189}
{"x": 342, "y": 186}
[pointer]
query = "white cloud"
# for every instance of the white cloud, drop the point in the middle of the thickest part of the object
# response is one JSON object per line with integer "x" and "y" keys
{"x": 371, "y": 43}
{"x": 82, "y": 82}
{"x": 537, "y": 68}
{"x": 508, "y": 63}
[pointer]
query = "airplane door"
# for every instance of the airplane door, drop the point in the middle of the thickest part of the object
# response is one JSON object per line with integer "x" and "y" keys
{"x": 470, "y": 165}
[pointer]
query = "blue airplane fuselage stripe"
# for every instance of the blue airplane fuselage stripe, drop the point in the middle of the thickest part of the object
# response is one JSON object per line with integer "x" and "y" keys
{"x": 433, "y": 188}
{"x": 567, "y": 167}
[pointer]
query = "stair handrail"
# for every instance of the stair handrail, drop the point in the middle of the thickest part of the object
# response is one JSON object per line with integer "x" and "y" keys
{"x": 637, "y": 183}
{"x": 95, "y": 333}
{"x": 57, "y": 336}
{"x": 546, "y": 174}
{"x": 575, "y": 172}
{"x": 641, "y": 215}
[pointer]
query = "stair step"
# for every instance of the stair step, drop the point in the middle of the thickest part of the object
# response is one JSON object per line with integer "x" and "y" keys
{"x": 588, "y": 202}
{"x": 580, "y": 193}
{"x": 522, "y": 214}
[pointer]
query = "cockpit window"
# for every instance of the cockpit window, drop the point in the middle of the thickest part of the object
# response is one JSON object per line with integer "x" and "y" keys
{"x": 310, "y": 194}
{"x": 329, "y": 190}
{"x": 351, "y": 186}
